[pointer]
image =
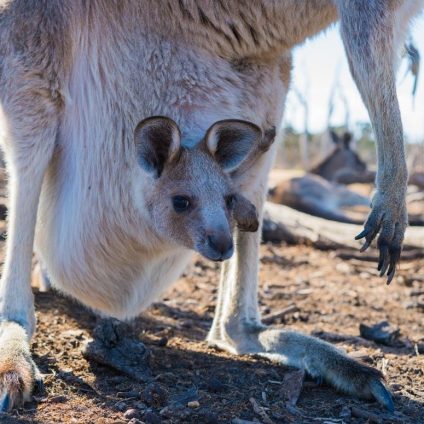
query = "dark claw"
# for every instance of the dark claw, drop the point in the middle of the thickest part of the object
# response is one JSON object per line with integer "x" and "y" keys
{"x": 384, "y": 268}
{"x": 39, "y": 387}
{"x": 394, "y": 258}
{"x": 382, "y": 395}
{"x": 369, "y": 237}
{"x": 362, "y": 234}
{"x": 365, "y": 246}
{"x": 384, "y": 260}
{"x": 4, "y": 407}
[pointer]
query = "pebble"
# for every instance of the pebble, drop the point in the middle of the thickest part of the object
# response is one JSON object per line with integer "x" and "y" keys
{"x": 58, "y": 399}
{"x": 131, "y": 413}
{"x": 193, "y": 404}
{"x": 135, "y": 421}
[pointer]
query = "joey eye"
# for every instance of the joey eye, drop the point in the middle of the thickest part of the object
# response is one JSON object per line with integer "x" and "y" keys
{"x": 230, "y": 200}
{"x": 180, "y": 203}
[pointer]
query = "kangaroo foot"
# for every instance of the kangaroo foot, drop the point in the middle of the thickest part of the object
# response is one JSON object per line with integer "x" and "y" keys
{"x": 18, "y": 373}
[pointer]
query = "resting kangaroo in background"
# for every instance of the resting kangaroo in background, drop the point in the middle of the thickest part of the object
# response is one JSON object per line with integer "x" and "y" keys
{"x": 75, "y": 79}
{"x": 340, "y": 161}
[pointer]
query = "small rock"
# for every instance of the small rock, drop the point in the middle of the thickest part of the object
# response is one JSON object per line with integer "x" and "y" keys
{"x": 135, "y": 421}
{"x": 131, "y": 413}
{"x": 58, "y": 399}
{"x": 193, "y": 404}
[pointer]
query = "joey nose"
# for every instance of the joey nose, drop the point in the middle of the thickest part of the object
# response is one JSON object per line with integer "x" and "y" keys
{"x": 222, "y": 244}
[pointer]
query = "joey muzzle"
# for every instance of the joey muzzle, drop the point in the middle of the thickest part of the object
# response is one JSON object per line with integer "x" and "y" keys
{"x": 220, "y": 245}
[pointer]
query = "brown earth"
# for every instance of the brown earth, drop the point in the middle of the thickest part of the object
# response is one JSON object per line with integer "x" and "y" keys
{"x": 333, "y": 298}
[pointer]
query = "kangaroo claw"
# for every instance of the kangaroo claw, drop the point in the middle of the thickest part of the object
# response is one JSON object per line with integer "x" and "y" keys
{"x": 389, "y": 223}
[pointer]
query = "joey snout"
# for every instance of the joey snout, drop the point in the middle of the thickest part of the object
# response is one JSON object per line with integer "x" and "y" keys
{"x": 220, "y": 244}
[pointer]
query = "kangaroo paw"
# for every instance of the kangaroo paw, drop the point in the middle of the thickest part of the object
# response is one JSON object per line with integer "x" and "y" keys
{"x": 388, "y": 218}
{"x": 18, "y": 372}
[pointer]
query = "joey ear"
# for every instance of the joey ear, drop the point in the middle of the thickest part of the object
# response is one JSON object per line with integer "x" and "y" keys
{"x": 230, "y": 142}
{"x": 334, "y": 137}
{"x": 157, "y": 140}
{"x": 245, "y": 214}
{"x": 347, "y": 138}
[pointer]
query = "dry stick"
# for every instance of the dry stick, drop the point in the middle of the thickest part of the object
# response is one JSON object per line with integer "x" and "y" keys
{"x": 270, "y": 318}
{"x": 361, "y": 413}
{"x": 407, "y": 255}
{"x": 298, "y": 227}
{"x": 260, "y": 411}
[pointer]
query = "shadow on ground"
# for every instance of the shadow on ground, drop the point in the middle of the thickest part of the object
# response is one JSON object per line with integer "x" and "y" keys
{"x": 184, "y": 369}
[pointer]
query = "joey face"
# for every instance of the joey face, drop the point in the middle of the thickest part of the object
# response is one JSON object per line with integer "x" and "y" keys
{"x": 191, "y": 199}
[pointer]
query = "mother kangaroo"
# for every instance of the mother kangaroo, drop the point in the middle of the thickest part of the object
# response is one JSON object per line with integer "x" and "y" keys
{"x": 76, "y": 77}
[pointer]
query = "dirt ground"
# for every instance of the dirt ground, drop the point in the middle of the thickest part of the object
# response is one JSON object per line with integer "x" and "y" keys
{"x": 194, "y": 383}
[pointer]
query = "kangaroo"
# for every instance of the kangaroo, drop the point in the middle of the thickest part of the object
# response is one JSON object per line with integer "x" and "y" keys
{"x": 341, "y": 160}
{"x": 316, "y": 196}
{"x": 317, "y": 192}
{"x": 77, "y": 77}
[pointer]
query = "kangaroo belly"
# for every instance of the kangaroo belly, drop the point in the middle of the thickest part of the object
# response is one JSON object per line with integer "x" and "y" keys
{"x": 113, "y": 274}
{"x": 96, "y": 245}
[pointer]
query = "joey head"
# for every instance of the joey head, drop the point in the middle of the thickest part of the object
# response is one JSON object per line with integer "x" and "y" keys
{"x": 191, "y": 199}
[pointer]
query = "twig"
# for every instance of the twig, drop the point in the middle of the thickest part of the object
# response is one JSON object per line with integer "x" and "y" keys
{"x": 361, "y": 413}
{"x": 260, "y": 411}
{"x": 270, "y": 318}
